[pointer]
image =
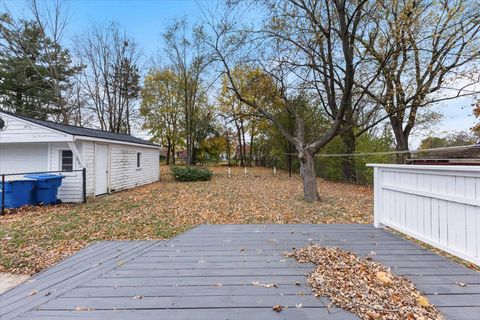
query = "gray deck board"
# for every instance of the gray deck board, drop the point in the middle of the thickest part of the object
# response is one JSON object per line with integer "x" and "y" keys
{"x": 202, "y": 314}
{"x": 214, "y": 271}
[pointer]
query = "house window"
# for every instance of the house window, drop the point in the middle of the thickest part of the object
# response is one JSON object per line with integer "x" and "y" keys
{"x": 66, "y": 160}
{"x": 139, "y": 160}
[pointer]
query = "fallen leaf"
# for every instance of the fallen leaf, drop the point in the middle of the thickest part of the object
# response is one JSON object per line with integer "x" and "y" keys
{"x": 384, "y": 277}
{"x": 277, "y": 308}
{"x": 423, "y": 301}
{"x": 33, "y": 292}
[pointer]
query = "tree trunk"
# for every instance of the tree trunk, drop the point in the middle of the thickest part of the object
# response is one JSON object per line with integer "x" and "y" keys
{"x": 250, "y": 156}
{"x": 167, "y": 157}
{"x": 402, "y": 145}
{"x": 173, "y": 154}
{"x": 239, "y": 151}
{"x": 307, "y": 171}
{"x": 401, "y": 140}
{"x": 244, "y": 144}
{"x": 348, "y": 163}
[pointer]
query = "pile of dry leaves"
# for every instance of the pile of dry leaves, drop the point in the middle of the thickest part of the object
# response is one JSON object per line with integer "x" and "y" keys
{"x": 364, "y": 287}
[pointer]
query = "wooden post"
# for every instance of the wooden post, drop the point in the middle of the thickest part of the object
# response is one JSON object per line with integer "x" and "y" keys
{"x": 245, "y": 169}
{"x": 229, "y": 172}
{"x": 377, "y": 196}
{"x": 274, "y": 170}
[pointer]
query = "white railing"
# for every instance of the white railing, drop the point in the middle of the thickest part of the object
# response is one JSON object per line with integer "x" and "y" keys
{"x": 439, "y": 205}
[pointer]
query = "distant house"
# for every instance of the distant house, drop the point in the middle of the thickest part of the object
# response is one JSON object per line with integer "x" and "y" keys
{"x": 454, "y": 156}
{"x": 113, "y": 161}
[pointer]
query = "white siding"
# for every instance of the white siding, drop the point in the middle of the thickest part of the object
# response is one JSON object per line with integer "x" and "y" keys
{"x": 23, "y": 157}
{"x": 18, "y": 130}
{"x": 123, "y": 172}
{"x": 88, "y": 151}
{"x": 71, "y": 188}
{"x": 439, "y": 205}
{"x": 123, "y": 166}
{"x": 55, "y": 149}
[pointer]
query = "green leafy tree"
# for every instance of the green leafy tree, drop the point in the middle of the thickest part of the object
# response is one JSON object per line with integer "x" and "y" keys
{"x": 247, "y": 124}
{"x": 433, "y": 142}
{"x": 212, "y": 148}
{"x": 162, "y": 110}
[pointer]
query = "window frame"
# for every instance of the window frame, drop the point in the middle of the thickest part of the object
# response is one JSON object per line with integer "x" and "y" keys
{"x": 61, "y": 160}
{"x": 139, "y": 160}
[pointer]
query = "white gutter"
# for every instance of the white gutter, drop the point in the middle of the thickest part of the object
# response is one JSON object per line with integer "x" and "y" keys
{"x": 75, "y": 138}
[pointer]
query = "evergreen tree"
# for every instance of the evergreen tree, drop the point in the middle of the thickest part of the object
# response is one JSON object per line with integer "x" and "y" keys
{"x": 34, "y": 71}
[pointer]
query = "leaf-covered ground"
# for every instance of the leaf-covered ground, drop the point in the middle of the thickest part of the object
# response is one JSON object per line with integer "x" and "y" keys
{"x": 34, "y": 238}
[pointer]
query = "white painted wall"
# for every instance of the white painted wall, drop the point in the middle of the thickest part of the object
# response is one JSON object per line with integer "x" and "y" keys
{"x": 124, "y": 173}
{"x": 439, "y": 205}
{"x": 24, "y": 157}
{"x": 88, "y": 151}
{"x": 19, "y": 130}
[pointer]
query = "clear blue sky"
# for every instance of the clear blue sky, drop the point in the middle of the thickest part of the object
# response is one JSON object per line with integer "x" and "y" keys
{"x": 145, "y": 20}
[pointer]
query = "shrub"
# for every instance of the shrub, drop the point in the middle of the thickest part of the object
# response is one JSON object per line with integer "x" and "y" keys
{"x": 191, "y": 174}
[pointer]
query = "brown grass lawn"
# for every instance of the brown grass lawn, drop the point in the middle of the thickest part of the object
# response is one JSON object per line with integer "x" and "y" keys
{"x": 32, "y": 239}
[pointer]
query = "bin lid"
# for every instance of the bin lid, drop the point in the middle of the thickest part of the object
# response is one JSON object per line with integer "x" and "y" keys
{"x": 44, "y": 176}
{"x": 17, "y": 178}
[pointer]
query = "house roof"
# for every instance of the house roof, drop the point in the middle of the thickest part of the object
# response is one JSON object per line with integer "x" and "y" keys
{"x": 471, "y": 152}
{"x": 84, "y": 132}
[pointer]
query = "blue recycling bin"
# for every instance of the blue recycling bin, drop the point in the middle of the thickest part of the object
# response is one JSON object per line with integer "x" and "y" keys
{"x": 45, "y": 188}
{"x": 18, "y": 193}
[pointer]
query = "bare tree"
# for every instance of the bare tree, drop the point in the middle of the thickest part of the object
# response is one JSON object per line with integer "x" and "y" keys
{"x": 111, "y": 79}
{"x": 188, "y": 57}
{"x": 428, "y": 50}
{"x": 306, "y": 46}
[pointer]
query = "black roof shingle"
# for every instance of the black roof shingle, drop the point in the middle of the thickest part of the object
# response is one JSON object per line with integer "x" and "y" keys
{"x": 85, "y": 132}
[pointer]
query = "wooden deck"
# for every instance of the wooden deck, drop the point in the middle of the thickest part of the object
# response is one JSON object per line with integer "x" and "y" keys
{"x": 213, "y": 271}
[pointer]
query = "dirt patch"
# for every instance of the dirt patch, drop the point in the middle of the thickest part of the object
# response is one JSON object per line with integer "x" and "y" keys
{"x": 364, "y": 287}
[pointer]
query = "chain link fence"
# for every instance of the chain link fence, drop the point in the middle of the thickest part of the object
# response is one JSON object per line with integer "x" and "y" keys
{"x": 72, "y": 189}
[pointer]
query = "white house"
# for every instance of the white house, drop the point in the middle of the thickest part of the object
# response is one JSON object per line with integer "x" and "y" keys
{"x": 113, "y": 161}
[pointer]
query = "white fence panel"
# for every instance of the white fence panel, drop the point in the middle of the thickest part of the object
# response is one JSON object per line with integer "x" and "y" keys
{"x": 439, "y": 205}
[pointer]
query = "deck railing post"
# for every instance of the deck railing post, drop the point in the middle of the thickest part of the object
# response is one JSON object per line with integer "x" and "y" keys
{"x": 84, "y": 184}
{"x": 3, "y": 195}
{"x": 377, "y": 196}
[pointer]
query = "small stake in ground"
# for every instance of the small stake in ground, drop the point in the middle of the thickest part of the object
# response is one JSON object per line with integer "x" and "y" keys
{"x": 274, "y": 170}
{"x": 245, "y": 171}
{"x": 229, "y": 172}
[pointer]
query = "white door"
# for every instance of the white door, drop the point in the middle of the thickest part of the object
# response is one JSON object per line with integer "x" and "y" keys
{"x": 101, "y": 169}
